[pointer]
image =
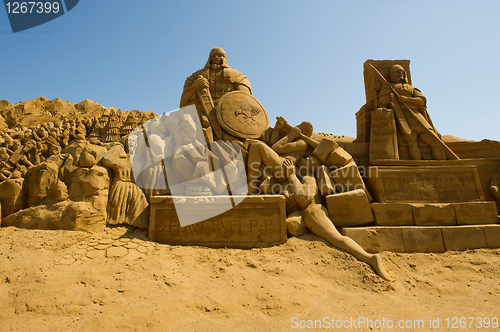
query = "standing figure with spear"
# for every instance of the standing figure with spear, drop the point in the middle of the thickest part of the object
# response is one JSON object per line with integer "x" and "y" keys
{"x": 413, "y": 121}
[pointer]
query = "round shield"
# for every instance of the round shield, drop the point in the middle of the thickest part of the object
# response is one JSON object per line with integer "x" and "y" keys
{"x": 241, "y": 115}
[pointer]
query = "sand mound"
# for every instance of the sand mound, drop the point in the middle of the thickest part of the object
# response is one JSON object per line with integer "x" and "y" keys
{"x": 62, "y": 280}
{"x": 454, "y": 139}
{"x": 40, "y": 110}
{"x": 89, "y": 106}
{"x": 319, "y": 136}
{"x": 3, "y": 125}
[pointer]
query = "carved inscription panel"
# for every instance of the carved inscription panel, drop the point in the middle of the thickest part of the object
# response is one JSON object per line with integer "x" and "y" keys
{"x": 439, "y": 184}
{"x": 258, "y": 221}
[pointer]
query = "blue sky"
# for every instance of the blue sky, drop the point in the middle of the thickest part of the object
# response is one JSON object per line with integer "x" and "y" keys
{"x": 303, "y": 58}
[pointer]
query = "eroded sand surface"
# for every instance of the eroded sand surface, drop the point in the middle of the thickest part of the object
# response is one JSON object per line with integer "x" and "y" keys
{"x": 76, "y": 281}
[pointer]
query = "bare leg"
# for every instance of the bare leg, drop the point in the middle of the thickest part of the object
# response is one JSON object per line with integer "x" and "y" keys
{"x": 437, "y": 150}
{"x": 415, "y": 153}
{"x": 259, "y": 154}
{"x": 317, "y": 221}
{"x": 254, "y": 166}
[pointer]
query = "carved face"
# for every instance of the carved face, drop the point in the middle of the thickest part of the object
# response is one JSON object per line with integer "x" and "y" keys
{"x": 308, "y": 165}
{"x": 398, "y": 74}
{"x": 306, "y": 128}
{"x": 217, "y": 59}
{"x": 3, "y": 154}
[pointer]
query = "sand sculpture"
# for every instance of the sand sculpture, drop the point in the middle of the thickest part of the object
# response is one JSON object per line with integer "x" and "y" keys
{"x": 398, "y": 186}
{"x": 71, "y": 173}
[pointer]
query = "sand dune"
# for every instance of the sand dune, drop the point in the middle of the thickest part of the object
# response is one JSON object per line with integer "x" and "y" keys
{"x": 40, "y": 110}
{"x": 63, "y": 281}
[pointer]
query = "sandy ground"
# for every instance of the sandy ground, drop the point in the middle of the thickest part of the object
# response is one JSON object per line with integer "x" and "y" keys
{"x": 63, "y": 281}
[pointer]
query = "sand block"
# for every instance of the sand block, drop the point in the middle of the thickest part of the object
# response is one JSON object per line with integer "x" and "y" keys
{"x": 325, "y": 183}
{"x": 384, "y": 137}
{"x": 434, "y": 214}
{"x": 349, "y": 209}
{"x": 423, "y": 239}
{"x": 492, "y": 234}
{"x": 258, "y": 221}
{"x": 460, "y": 238}
{"x": 324, "y": 149}
{"x": 392, "y": 214}
{"x": 347, "y": 178}
{"x": 377, "y": 239}
{"x": 425, "y": 184}
{"x": 476, "y": 213}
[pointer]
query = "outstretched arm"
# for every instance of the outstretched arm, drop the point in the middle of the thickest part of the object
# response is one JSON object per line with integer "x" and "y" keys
{"x": 287, "y": 145}
{"x": 304, "y": 191}
{"x": 275, "y": 135}
{"x": 200, "y": 83}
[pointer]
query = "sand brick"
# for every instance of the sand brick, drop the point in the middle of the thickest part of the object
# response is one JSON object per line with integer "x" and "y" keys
{"x": 461, "y": 238}
{"x": 392, "y": 214}
{"x": 377, "y": 239}
{"x": 492, "y": 234}
{"x": 434, "y": 214}
{"x": 349, "y": 209}
{"x": 476, "y": 213}
{"x": 423, "y": 239}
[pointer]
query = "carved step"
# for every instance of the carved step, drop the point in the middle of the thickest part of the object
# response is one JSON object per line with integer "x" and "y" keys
{"x": 425, "y": 239}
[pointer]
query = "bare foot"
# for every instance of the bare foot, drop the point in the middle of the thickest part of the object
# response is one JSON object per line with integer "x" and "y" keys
{"x": 376, "y": 263}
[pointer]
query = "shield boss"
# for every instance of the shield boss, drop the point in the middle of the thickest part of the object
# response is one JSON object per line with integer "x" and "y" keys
{"x": 241, "y": 115}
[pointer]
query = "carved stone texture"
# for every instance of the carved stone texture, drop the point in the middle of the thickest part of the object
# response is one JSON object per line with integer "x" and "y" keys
{"x": 111, "y": 132}
{"x": 339, "y": 180}
{"x": 84, "y": 210}
{"x": 392, "y": 214}
{"x": 384, "y": 138}
{"x": 348, "y": 178}
{"x": 39, "y": 180}
{"x": 337, "y": 158}
{"x": 476, "y": 213}
{"x": 258, "y": 221}
{"x": 372, "y": 87}
{"x": 241, "y": 115}
{"x": 127, "y": 203}
{"x": 205, "y": 87}
{"x": 377, "y": 239}
{"x": 434, "y": 214}
{"x": 133, "y": 120}
{"x": 464, "y": 237}
{"x": 349, "y": 209}
{"x": 295, "y": 224}
{"x": 77, "y": 148}
{"x": 426, "y": 184}
{"x": 393, "y": 90}
{"x": 492, "y": 234}
{"x": 423, "y": 239}
{"x": 12, "y": 196}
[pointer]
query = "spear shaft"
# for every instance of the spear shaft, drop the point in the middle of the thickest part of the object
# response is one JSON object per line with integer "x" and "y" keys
{"x": 449, "y": 153}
